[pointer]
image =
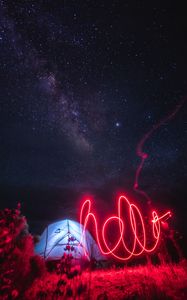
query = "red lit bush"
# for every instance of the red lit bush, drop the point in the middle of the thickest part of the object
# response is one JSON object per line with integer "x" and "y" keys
{"x": 17, "y": 258}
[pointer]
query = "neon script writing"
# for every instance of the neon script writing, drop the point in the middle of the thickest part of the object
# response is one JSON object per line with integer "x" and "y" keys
{"x": 133, "y": 220}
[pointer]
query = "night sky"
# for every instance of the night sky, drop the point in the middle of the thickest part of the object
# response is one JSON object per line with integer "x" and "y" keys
{"x": 81, "y": 84}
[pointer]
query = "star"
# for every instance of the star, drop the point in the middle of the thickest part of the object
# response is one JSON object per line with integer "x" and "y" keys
{"x": 79, "y": 92}
{"x": 117, "y": 124}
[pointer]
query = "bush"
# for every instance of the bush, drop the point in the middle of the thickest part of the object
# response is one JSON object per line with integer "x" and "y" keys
{"x": 19, "y": 266}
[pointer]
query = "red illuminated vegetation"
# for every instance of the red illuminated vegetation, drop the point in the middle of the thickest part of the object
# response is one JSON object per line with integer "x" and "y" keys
{"x": 25, "y": 275}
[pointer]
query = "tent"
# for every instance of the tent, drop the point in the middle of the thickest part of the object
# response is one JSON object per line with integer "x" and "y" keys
{"x": 65, "y": 237}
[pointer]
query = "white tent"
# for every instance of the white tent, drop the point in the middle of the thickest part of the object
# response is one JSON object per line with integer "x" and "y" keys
{"x": 65, "y": 237}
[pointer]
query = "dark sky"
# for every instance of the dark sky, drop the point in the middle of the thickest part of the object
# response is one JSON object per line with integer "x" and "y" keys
{"x": 81, "y": 83}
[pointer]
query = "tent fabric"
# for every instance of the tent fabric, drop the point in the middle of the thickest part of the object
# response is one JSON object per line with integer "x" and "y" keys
{"x": 65, "y": 237}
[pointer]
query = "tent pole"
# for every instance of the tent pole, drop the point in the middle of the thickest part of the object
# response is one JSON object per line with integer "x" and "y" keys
{"x": 46, "y": 244}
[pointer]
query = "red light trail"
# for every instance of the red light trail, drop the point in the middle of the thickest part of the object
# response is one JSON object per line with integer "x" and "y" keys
{"x": 133, "y": 219}
{"x": 137, "y": 226}
{"x": 143, "y": 156}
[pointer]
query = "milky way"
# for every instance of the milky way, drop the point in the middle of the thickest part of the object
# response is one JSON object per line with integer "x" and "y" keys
{"x": 81, "y": 84}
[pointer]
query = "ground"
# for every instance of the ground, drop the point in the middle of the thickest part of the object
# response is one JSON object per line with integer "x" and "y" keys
{"x": 138, "y": 282}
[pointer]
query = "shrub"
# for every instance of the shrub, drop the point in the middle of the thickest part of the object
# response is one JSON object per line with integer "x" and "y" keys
{"x": 19, "y": 266}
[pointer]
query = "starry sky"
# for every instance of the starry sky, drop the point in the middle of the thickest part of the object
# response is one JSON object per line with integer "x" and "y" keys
{"x": 82, "y": 82}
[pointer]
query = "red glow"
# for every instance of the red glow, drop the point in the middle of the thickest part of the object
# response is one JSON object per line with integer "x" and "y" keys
{"x": 143, "y": 156}
{"x": 134, "y": 219}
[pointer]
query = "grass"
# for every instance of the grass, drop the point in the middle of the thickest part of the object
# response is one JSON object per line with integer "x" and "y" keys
{"x": 168, "y": 281}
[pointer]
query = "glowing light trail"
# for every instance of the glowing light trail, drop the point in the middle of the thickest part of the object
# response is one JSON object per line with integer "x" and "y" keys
{"x": 137, "y": 228}
{"x": 134, "y": 216}
{"x": 143, "y": 156}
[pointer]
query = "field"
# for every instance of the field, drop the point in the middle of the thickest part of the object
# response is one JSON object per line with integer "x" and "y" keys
{"x": 140, "y": 282}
